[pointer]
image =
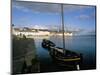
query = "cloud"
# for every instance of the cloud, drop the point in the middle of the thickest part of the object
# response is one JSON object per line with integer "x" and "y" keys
{"x": 71, "y": 8}
{"x": 83, "y": 16}
{"x": 40, "y": 27}
{"x": 92, "y": 31}
{"x": 47, "y": 7}
{"x": 79, "y": 8}
{"x": 37, "y": 7}
{"x": 19, "y": 7}
{"x": 86, "y": 16}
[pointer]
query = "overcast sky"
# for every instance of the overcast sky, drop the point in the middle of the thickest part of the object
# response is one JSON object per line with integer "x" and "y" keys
{"x": 44, "y": 15}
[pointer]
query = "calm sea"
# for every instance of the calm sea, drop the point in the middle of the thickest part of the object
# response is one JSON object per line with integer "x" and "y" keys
{"x": 80, "y": 44}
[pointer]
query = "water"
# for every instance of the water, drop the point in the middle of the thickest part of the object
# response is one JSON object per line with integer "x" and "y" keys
{"x": 80, "y": 44}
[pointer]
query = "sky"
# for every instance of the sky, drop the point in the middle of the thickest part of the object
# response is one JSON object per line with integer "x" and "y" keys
{"x": 78, "y": 18}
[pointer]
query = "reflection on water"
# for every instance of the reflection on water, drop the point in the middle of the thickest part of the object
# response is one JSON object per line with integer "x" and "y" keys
{"x": 80, "y": 44}
{"x": 41, "y": 52}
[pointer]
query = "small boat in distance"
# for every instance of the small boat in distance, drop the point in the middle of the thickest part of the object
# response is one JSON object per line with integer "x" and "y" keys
{"x": 69, "y": 58}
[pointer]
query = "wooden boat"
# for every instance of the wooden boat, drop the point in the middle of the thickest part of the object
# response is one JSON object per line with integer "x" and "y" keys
{"x": 47, "y": 44}
{"x": 58, "y": 55}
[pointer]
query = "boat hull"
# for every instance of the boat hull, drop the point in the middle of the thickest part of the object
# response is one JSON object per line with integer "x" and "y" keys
{"x": 69, "y": 58}
{"x": 66, "y": 60}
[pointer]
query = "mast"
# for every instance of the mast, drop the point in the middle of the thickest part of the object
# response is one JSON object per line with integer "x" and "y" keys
{"x": 62, "y": 22}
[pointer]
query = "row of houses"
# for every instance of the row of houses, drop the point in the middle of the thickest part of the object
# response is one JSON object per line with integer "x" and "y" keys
{"x": 37, "y": 32}
{"x": 30, "y": 32}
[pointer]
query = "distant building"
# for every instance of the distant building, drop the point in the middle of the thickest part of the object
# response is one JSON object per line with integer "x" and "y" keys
{"x": 30, "y": 32}
{"x": 36, "y": 32}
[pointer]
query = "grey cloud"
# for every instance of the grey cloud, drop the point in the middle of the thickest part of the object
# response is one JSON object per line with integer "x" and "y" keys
{"x": 46, "y": 7}
{"x": 78, "y": 8}
{"x": 37, "y": 7}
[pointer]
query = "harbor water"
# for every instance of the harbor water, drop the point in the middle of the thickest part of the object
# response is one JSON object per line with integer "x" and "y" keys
{"x": 86, "y": 45}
